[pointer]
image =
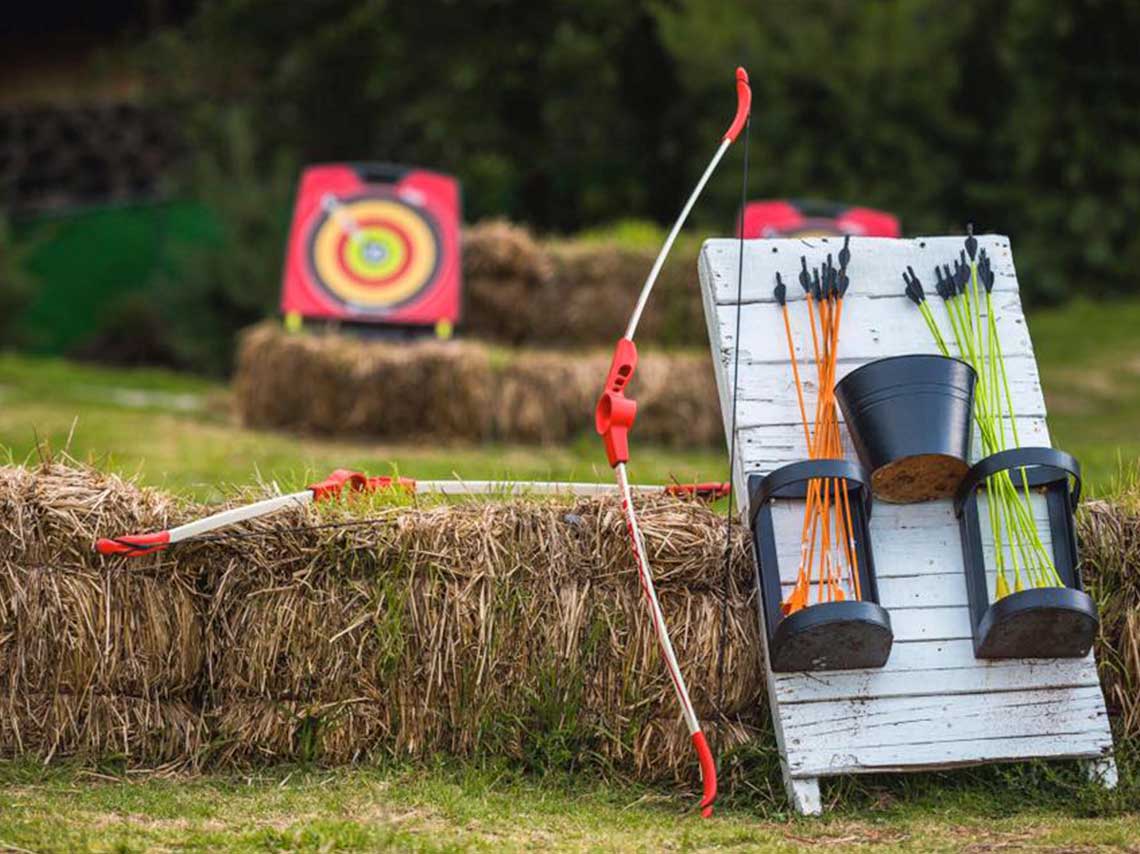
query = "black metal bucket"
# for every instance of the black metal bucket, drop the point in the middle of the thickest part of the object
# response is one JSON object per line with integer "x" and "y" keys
{"x": 910, "y": 419}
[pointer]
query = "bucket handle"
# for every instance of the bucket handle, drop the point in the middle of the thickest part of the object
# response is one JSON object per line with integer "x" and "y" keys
{"x": 1057, "y": 465}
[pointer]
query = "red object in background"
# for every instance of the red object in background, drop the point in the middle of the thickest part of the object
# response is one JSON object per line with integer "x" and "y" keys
{"x": 374, "y": 243}
{"x": 805, "y": 219}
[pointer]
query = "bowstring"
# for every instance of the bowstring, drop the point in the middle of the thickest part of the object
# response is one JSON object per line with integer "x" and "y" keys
{"x": 723, "y": 640}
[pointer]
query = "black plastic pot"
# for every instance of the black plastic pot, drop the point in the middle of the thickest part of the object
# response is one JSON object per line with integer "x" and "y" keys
{"x": 910, "y": 419}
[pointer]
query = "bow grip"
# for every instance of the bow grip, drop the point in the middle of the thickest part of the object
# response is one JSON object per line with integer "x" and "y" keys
{"x": 334, "y": 484}
{"x": 615, "y": 413}
{"x": 743, "y": 105}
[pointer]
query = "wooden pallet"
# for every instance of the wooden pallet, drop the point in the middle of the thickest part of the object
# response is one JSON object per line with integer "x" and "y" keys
{"x": 933, "y": 705}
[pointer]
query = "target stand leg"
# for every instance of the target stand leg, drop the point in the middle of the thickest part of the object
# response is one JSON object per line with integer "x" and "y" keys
{"x": 803, "y": 792}
{"x": 1101, "y": 770}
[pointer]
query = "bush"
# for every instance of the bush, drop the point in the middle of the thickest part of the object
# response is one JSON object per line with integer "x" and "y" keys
{"x": 16, "y": 283}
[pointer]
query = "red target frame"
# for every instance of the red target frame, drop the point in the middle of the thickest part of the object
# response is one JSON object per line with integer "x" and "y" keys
{"x": 784, "y": 218}
{"x": 374, "y": 243}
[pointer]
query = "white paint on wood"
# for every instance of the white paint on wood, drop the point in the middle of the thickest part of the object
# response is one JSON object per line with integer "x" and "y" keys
{"x": 826, "y": 761}
{"x": 803, "y": 792}
{"x": 876, "y": 268}
{"x": 934, "y": 705}
{"x": 1102, "y": 770}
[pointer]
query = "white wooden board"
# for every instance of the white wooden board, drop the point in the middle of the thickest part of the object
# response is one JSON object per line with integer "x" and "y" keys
{"x": 933, "y": 705}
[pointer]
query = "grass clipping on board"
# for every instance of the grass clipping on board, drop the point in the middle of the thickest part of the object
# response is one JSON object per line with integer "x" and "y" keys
{"x": 328, "y": 383}
{"x": 506, "y": 627}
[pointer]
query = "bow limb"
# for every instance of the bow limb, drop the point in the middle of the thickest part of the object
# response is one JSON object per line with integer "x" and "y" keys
{"x": 743, "y": 109}
{"x": 136, "y": 545}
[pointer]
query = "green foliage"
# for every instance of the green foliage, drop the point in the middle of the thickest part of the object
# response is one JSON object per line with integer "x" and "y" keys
{"x": 17, "y": 285}
{"x": 1020, "y": 116}
{"x": 221, "y": 286}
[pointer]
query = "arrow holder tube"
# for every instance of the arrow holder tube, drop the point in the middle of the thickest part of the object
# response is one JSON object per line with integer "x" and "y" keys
{"x": 1038, "y": 622}
{"x": 829, "y": 635}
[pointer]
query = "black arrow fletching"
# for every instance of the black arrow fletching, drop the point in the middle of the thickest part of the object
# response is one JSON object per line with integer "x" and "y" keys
{"x": 845, "y": 253}
{"x": 805, "y": 279}
{"x": 780, "y": 292}
{"x": 971, "y": 241}
{"x": 916, "y": 285}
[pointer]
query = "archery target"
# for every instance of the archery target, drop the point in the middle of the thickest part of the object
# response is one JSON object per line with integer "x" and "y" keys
{"x": 374, "y": 253}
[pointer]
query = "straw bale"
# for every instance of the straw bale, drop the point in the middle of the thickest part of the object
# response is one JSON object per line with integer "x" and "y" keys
{"x": 356, "y": 730}
{"x": 561, "y": 293}
{"x": 1109, "y": 535}
{"x": 335, "y": 384}
{"x": 140, "y": 731}
{"x": 52, "y": 514}
{"x": 504, "y": 271}
{"x": 547, "y": 396}
{"x": 75, "y": 630}
{"x": 258, "y": 731}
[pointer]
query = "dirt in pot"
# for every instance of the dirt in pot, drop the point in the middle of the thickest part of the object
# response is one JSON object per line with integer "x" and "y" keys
{"x": 922, "y": 477}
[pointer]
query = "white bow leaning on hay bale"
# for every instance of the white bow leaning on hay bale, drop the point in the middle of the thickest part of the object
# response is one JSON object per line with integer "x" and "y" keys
{"x": 934, "y": 705}
{"x": 614, "y": 417}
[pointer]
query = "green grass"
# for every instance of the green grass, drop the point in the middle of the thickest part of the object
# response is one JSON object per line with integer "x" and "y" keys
{"x": 175, "y": 432}
{"x": 1090, "y": 368}
{"x": 449, "y": 808}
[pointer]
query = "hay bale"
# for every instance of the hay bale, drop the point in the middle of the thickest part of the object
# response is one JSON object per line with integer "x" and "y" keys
{"x": 560, "y": 293}
{"x": 504, "y": 273}
{"x": 547, "y": 396}
{"x": 595, "y": 285}
{"x": 462, "y": 628}
{"x": 97, "y": 659}
{"x": 1109, "y": 535}
{"x": 335, "y": 384}
{"x": 77, "y": 630}
{"x": 512, "y": 628}
{"x": 136, "y": 730}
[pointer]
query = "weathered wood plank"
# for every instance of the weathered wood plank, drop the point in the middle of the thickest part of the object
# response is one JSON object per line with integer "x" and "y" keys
{"x": 932, "y": 680}
{"x": 877, "y": 721}
{"x": 851, "y": 758}
{"x": 872, "y": 328}
{"x": 769, "y": 396}
{"x": 876, "y": 263}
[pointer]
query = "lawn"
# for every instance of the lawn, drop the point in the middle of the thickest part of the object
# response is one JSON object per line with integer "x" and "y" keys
{"x": 450, "y": 808}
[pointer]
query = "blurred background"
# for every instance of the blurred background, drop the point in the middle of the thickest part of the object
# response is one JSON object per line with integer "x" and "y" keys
{"x": 149, "y": 153}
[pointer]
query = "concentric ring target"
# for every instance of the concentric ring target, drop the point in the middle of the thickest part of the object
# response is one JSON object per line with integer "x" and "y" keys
{"x": 374, "y": 252}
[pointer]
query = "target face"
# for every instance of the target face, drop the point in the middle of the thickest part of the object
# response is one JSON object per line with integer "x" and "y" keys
{"x": 374, "y": 253}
